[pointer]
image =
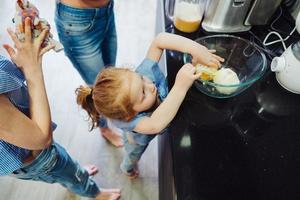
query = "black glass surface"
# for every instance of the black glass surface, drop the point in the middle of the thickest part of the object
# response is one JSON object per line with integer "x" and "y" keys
{"x": 240, "y": 148}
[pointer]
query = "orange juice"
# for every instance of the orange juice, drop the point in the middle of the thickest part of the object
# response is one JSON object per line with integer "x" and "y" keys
{"x": 186, "y": 26}
{"x": 187, "y": 16}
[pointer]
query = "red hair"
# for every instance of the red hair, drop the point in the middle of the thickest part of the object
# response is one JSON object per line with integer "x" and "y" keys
{"x": 109, "y": 97}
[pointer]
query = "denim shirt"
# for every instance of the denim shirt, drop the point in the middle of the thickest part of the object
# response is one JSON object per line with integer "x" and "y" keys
{"x": 150, "y": 69}
{"x": 12, "y": 84}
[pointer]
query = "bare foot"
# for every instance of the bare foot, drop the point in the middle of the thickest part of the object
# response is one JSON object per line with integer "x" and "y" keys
{"x": 112, "y": 137}
{"x": 109, "y": 194}
{"x": 91, "y": 169}
{"x": 131, "y": 175}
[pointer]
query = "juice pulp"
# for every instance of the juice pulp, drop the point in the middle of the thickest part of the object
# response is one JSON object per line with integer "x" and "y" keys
{"x": 186, "y": 26}
{"x": 187, "y": 16}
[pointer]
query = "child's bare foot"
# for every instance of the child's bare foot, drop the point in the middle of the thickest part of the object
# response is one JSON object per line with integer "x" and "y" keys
{"x": 112, "y": 137}
{"x": 109, "y": 194}
{"x": 91, "y": 169}
{"x": 133, "y": 174}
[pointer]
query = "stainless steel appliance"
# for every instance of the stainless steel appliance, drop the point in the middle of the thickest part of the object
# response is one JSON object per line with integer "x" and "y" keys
{"x": 293, "y": 6}
{"x": 229, "y": 16}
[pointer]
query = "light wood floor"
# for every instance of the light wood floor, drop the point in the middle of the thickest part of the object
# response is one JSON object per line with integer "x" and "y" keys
{"x": 135, "y": 21}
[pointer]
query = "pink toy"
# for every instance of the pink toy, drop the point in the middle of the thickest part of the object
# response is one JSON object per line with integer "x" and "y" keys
{"x": 26, "y": 9}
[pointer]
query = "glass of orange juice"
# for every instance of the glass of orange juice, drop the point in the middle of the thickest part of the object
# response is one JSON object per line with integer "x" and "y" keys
{"x": 188, "y": 14}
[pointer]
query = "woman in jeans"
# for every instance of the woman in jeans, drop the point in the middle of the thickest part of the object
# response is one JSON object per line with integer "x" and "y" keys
{"x": 87, "y": 30}
{"x": 27, "y": 149}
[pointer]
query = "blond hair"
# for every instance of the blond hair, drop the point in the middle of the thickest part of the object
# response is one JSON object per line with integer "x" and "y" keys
{"x": 109, "y": 97}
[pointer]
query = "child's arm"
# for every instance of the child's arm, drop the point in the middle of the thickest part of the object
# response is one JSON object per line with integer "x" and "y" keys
{"x": 167, "y": 110}
{"x": 28, "y": 58}
{"x": 175, "y": 42}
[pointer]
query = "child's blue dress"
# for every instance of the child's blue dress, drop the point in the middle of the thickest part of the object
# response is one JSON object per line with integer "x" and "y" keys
{"x": 136, "y": 143}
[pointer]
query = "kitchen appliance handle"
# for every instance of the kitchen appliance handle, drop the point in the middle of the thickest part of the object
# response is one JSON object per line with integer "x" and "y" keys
{"x": 238, "y": 3}
{"x": 278, "y": 64}
{"x": 170, "y": 7}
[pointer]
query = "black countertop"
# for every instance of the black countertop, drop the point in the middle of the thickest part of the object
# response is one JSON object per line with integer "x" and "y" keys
{"x": 240, "y": 148}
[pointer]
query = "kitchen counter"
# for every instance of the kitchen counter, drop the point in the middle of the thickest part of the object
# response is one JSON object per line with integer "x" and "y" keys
{"x": 240, "y": 148}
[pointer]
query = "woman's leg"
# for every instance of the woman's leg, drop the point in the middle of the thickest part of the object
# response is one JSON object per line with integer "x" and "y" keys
{"x": 54, "y": 165}
{"x": 109, "y": 44}
{"x": 82, "y": 31}
{"x": 89, "y": 40}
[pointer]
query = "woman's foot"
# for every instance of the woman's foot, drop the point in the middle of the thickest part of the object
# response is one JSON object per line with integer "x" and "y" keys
{"x": 112, "y": 137}
{"x": 91, "y": 169}
{"x": 109, "y": 194}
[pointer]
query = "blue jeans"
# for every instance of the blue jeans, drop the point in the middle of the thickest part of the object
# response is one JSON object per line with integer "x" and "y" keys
{"x": 54, "y": 165}
{"x": 134, "y": 151}
{"x": 89, "y": 38}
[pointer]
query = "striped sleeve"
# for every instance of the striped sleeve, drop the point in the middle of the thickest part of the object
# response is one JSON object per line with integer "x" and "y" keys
{"x": 10, "y": 76}
{"x": 11, "y": 157}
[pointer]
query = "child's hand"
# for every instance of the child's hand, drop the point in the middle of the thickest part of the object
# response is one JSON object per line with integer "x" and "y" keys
{"x": 28, "y": 54}
{"x": 185, "y": 77}
{"x": 205, "y": 57}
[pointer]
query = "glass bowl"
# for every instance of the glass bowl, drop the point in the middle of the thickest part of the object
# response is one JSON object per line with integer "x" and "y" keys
{"x": 241, "y": 56}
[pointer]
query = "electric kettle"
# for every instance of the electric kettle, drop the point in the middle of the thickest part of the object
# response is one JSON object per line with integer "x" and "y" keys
{"x": 287, "y": 66}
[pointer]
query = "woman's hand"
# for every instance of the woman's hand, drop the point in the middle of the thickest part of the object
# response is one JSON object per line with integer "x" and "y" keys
{"x": 205, "y": 57}
{"x": 28, "y": 57}
{"x": 185, "y": 77}
{"x": 28, "y": 54}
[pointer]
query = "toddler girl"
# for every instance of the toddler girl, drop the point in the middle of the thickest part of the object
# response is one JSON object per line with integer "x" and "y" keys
{"x": 138, "y": 102}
